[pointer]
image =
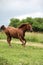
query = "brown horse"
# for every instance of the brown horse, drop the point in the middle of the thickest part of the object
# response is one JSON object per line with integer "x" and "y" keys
{"x": 17, "y": 32}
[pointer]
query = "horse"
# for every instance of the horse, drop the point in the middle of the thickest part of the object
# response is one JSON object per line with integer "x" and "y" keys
{"x": 12, "y": 32}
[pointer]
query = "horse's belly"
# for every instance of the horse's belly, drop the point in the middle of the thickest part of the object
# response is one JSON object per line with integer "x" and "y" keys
{"x": 14, "y": 35}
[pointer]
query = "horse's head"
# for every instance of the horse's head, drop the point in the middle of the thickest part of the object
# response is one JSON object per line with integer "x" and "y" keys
{"x": 29, "y": 27}
{"x": 2, "y": 27}
{"x": 26, "y": 27}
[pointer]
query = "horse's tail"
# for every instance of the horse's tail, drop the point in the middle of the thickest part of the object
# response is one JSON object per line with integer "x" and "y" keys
{"x": 2, "y": 27}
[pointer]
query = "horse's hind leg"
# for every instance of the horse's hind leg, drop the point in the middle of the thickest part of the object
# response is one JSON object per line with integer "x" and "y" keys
{"x": 8, "y": 40}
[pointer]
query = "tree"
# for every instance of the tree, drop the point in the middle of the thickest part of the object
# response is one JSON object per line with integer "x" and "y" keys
{"x": 30, "y": 20}
{"x": 14, "y": 22}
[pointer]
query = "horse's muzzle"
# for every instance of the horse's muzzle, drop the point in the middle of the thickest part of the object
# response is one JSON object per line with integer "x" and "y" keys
{"x": 31, "y": 30}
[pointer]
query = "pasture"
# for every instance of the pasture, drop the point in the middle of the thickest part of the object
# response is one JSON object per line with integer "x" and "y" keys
{"x": 19, "y": 55}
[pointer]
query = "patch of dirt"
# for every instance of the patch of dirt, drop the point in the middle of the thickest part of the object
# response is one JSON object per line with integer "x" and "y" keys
{"x": 40, "y": 45}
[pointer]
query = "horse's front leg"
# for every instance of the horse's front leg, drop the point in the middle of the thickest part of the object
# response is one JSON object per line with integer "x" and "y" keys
{"x": 22, "y": 40}
{"x": 9, "y": 40}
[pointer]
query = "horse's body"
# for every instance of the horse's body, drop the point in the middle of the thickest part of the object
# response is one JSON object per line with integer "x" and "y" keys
{"x": 13, "y": 32}
{"x": 16, "y": 32}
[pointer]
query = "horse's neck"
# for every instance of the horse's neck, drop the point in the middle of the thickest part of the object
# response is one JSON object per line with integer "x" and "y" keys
{"x": 23, "y": 29}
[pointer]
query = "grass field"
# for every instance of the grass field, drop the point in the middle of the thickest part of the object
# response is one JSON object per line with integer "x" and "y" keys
{"x": 34, "y": 37}
{"x": 19, "y": 55}
{"x": 2, "y": 35}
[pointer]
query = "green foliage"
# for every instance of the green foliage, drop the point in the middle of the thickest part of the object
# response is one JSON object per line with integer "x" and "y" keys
{"x": 37, "y": 23}
{"x": 14, "y": 22}
{"x": 30, "y": 20}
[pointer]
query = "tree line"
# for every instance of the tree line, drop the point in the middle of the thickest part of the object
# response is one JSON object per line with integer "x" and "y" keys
{"x": 37, "y": 23}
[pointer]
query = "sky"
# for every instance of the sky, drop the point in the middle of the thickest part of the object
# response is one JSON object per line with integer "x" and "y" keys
{"x": 19, "y": 9}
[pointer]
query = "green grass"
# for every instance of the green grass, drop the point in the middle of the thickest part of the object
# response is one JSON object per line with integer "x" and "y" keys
{"x": 4, "y": 61}
{"x": 2, "y": 35}
{"x": 34, "y": 37}
{"x": 19, "y": 55}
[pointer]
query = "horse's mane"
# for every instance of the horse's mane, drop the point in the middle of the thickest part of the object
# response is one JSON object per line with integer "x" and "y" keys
{"x": 22, "y": 25}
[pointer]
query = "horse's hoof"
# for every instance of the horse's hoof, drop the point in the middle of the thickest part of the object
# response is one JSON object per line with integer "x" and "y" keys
{"x": 23, "y": 45}
{"x": 10, "y": 46}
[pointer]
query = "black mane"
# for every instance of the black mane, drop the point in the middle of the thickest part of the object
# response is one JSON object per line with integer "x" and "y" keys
{"x": 22, "y": 25}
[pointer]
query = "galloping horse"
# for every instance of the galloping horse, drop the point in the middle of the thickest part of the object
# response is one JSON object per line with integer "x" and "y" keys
{"x": 16, "y": 32}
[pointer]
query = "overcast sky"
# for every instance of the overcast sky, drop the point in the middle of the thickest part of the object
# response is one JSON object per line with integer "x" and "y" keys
{"x": 19, "y": 9}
